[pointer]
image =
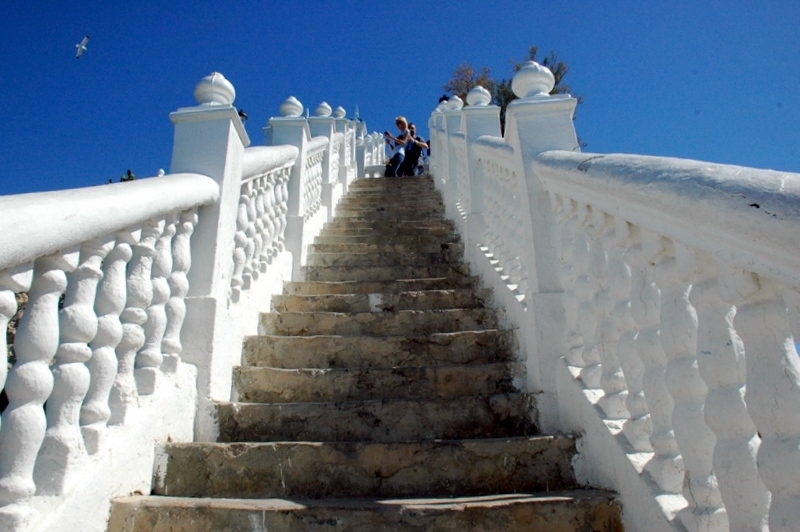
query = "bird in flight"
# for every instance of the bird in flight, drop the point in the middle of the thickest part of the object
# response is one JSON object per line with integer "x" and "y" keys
{"x": 81, "y": 46}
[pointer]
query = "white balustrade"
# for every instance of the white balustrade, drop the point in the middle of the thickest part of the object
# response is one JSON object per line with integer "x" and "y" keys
{"x": 677, "y": 282}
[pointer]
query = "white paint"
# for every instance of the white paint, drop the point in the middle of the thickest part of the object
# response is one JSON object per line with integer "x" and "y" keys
{"x": 635, "y": 266}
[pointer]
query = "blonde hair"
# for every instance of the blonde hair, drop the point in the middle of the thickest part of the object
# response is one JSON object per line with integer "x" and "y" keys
{"x": 401, "y": 120}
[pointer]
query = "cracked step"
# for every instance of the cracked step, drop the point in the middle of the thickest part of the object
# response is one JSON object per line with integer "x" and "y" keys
{"x": 384, "y": 301}
{"x": 283, "y": 385}
{"x": 367, "y": 469}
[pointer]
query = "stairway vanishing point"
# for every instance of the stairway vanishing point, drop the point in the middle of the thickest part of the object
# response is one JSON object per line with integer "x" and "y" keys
{"x": 383, "y": 393}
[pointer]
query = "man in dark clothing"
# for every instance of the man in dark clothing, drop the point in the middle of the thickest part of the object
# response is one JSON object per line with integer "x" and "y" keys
{"x": 414, "y": 148}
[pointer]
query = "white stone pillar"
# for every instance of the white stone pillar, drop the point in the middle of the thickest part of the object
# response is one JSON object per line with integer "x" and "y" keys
{"x": 322, "y": 124}
{"x": 478, "y": 119}
{"x": 291, "y": 128}
{"x": 537, "y": 122}
{"x": 210, "y": 139}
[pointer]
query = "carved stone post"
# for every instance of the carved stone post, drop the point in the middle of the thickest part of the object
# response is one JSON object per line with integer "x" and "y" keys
{"x": 322, "y": 124}
{"x": 210, "y": 140}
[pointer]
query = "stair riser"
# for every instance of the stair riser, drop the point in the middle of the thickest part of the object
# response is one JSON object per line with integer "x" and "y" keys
{"x": 407, "y": 242}
{"x": 377, "y": 324}
{"x": 498, "y": 416}
{"x": 428, "y": 300}
{"x": 359, "y": 469}
{"x": 413, "y": 246}
{"x": 272, "y": 385}
{"x": 390, "y": 258}
{"x": 382, "y": 273}
{"x": 374, "y": 287}
{"x": 472, "y": 347}
{"x": 586, "y": 511}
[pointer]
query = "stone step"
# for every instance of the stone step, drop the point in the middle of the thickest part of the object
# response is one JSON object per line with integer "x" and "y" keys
{"x": 494, "y": 416}
{"x": 384, "y": 302}
{"x": 391, "y": 202}
{"x": 387, "y": 258}
{"x": 464, "y": 347}
{"x": 383, "y": 273}
{"x": 440, "y": 468}
{"x": 558, "y": 511}
{"x": 411, "y": 246}
{"x": 407, "y": 240}
{"x": 374, "y": 287}
{"x": 278, "y": 385}
{"x": 382, "y": 183}
{"x": 404, "y": 322}
{"x": 421, "y": 227}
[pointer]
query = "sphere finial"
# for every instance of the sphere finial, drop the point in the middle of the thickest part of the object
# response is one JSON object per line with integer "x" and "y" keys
{"x": 291, "y": 107}
{"x": 478, "y": 96}
{"x": 339, "y": 112}
{"x": 323, "y": 110}
{"x": 455, "y": 103}
{"x": 214, "y": 89}
{"x": 532, "y": 79}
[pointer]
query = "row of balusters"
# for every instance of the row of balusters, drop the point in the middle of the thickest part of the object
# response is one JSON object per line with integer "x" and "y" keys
{"x": 694, "y": 358}
{"x": 260, "y": 227}
{"x": 91, "y": 354}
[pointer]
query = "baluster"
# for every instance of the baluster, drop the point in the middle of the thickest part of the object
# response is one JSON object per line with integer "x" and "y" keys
{"x": 773, "y": 393}
{"x": 282, "y": 207}
{"x": 140, "y": 292}
{"x": 269, "y": 218}
{"x": 638, "y": 428}
{"x": 30, "y": 381}
{"x": 695, "y": 439}
{"x": 721, "y": 362}
{"x": 253, "y": 238}
{"x": 11, "y": 281}
{"x": 109, "y": 304}
{"x": 239, "y": 254}
{"x": 261, "y": 253}
{"x": 583, "y": 256}
{"x": 150, "y": 358}
{"x": 62, "y": 449}
{"x": 570, "y": 271}
{"x": 613, "y": 311}
{"x": 666, "y": 465}
{"x": 179, "y": 286}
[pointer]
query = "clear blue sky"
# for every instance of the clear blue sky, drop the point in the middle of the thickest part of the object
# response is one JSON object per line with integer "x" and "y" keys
{"x": 712, "y": 80}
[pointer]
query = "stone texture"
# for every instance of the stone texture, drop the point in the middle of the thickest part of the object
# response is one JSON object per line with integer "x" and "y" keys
{"x": 382, "y": 393}
{"x": 572, "y": 511}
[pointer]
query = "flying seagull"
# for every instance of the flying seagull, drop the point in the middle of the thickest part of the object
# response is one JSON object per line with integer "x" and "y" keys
{"x": 81, "y": 47}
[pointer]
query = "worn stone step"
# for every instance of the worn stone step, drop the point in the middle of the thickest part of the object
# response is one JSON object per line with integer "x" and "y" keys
{"x": 411, "y": 241}
{"x": 555, "y": 511}
{"x": 421, "y": 226}
{"x": 463, "y": 347}
{"x": 411, "y": 246}
{"x": 494, "y": 416}
{"x": 393, "y": 203}
{"x": 404, "y": 322}
{"x": 384, "y": 302}
{"x": 387, "y": 258}
{"x": 367, "y": 469}
{"x": 278, "y": 385}
{"x": 373, "y": 287}
{"x": 384, "y": 273}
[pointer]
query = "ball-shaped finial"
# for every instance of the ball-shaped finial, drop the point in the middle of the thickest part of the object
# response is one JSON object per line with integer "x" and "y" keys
{"x": 291, "y": 107}
{"x": 455, "y": 103}
{"x": 339, "y": 112}
{"x": 323, "y": 110}
{"x": 214, "y": 89}
{"x": 478, "y": 96}
{"x": 532, "y": 79}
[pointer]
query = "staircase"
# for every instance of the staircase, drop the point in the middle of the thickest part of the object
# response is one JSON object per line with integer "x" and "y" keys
{"x": 382, "y": 394}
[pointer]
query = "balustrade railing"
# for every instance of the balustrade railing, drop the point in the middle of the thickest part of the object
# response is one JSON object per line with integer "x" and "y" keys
{"x": 131, "y": 283}
{"x": 671, "y": 290}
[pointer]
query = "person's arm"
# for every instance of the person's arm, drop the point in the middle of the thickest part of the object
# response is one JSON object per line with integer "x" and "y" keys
{"x": 399, "y": 140}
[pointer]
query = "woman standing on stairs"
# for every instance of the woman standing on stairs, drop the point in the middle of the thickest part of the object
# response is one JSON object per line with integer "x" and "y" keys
{"x": 399, "y": 148}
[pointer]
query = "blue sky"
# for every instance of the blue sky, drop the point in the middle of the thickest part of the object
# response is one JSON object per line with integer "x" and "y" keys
{"x": 712, "y": 80}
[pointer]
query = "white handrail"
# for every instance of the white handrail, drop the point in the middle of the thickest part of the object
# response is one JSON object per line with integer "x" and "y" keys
{"x": 37, "y": 224}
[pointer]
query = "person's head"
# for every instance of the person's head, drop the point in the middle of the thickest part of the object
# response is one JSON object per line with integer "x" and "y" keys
{"x": 401, "y": 123}
{"x": 412, "y": 128}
